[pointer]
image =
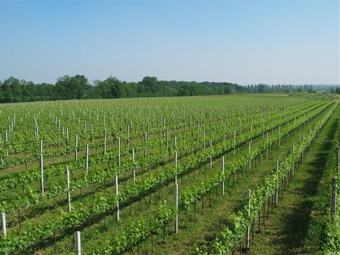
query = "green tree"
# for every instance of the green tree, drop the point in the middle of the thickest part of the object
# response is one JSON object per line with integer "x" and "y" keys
{"x": 2, "y": 96}
{"x": 72, "y": 87}
{"x": 45, "y": 91}
{"x": 229, "y": 89}
{"x": 62, "y": 87}
{"x": 152, "y": 86}
{"x": 28, "y": 91}
{"x": 104, "y": 88}
{"x": 79, "y": 86}
{"x": 261, "y": 88}
{"x": 117, "y": 88}
{"x": 299, "y": 90}
{"x": 12, "y": 90}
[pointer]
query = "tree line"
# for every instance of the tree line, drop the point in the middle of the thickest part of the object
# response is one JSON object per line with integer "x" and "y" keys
{"x": 78, "y": 87}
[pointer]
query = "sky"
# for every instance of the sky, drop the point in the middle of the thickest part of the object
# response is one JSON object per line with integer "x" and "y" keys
{"x": 239, "y": 41}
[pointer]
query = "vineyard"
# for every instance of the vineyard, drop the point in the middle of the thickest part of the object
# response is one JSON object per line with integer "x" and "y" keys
{"x": 195, "y": 175}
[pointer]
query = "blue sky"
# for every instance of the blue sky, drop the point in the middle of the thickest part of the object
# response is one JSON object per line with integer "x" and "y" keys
{"x": 245, "y": 42}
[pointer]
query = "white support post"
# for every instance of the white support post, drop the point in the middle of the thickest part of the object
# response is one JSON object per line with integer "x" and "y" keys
{"x": 105, "y": 133}
{"x": 267, "y": 140}
{"x": 87, "y": 159}
{"x": 78, "y": 248}
{"x": 176, "y": 167}
{"x": 68, "y": 190}
{"x": 117, "y": 194}
{"x": 176, "y": 205}
{"x": 4, "y": 228}
{"x": 42, "y": 173}
{"x": 248, "y": 227}
{"x": 76, "y": 149}
{"x": 119, "y": 159}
